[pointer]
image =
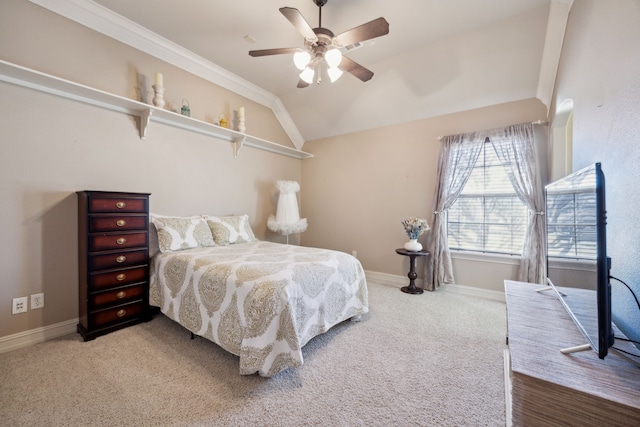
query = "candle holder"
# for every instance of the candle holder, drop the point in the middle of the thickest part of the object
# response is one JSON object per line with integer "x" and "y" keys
{"x": 241, "y": 127}
{"x": 158, "y": 97}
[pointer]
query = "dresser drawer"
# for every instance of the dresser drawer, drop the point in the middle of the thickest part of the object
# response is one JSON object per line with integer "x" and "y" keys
{"x": 118, "y": 259}
{"x": 117, "y": 204}
{"x": 118, "y": 296}
{"x": 103, "y": 242}
{"x": 99, "y": 223}
{"x": 103, "y": 281}
{"x": 117, "y": 314}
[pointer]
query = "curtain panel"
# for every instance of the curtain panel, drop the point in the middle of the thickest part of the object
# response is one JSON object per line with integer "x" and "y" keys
{"x": 458, "y": 157}
{"x": 515, "y": 148}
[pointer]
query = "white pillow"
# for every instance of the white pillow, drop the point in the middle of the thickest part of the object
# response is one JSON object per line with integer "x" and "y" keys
{"x": 231, "y": 229}
{"x": 178, "y": 233}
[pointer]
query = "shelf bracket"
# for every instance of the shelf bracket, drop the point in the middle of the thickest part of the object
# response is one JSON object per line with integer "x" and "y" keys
{"x": 145, "y": 118}
{"x": 237, "y": 145}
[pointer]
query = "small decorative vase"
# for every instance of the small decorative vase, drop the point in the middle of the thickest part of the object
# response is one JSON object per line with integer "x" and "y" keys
{"x": 158, "y": 97}
{"x": 413, "y": 245}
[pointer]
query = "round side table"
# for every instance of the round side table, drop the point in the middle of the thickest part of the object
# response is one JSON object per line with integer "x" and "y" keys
{"x": 412, "y": 289}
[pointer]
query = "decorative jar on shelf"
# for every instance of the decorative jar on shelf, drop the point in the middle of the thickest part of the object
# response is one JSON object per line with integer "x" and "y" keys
{"x": 185, "y": 110}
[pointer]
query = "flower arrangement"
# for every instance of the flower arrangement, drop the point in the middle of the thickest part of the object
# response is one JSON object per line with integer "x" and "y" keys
{"x": 414, "y": 227}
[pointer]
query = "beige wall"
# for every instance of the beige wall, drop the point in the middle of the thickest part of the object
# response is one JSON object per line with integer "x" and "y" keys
{"x": 358, "y": 187}
{"x": 51, "y": 147}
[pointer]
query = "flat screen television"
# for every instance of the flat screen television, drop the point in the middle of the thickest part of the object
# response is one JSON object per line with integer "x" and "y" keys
{"x": 577, "y": 263}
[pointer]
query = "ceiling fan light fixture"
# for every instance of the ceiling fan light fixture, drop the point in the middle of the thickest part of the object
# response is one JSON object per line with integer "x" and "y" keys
{"x": 301, "y": 59}
{"x": 333, "y": 57}
{"x": 323, "y": 50}
{"x": 334, "y": 73}
{"x": 307, "y": 75}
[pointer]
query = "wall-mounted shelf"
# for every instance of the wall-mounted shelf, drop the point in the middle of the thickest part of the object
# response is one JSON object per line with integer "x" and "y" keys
{"x": 32, "y": 79}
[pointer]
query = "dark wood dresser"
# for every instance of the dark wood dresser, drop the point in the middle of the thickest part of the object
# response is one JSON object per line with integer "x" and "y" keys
{"x": 113, "y": 249}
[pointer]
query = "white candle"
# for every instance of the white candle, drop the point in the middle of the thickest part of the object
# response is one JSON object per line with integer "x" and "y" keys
{"x": 158, "y": 79}
{"x": 241, "y": 113}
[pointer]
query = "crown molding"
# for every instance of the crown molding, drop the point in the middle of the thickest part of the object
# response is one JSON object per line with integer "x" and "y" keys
{"x": 117, "y": 27}
{"x": 556, "y": 26}
{"x": 287, "y": 123}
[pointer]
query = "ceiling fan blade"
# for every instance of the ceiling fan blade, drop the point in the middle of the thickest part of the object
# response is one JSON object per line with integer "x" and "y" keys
{"x": 265, "y": 52}
{"x": 356, "y": 69}
{"x": 376, "y": 28}
{"x": 302, "y": 84}
{"x": 295, "y": 17}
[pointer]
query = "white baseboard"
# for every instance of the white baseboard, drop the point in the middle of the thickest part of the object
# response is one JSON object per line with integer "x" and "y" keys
{"x": 388, "y": 279}
{"x": 38, "y": 335}
{"x": 471, "y": 291}
{"x": 392, "y": 279}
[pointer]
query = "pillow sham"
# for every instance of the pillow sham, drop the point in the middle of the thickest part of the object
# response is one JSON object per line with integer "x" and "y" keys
{"x": 227, "y": 230}
{"x": 178, "y": 233}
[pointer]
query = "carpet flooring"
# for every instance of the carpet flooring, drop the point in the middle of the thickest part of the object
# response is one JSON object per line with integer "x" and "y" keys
{"x": 416, "y": 360}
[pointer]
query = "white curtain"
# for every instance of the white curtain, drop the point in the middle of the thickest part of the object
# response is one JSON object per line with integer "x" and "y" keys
{"x": 457, "y": 159}
{"x": 515, "y": 148}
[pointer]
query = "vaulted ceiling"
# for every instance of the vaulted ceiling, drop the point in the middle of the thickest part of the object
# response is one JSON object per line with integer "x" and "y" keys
{"x": 439, "y": 57}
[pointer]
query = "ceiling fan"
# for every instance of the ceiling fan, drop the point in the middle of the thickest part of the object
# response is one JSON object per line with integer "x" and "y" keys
{"x": 322, "y": 46}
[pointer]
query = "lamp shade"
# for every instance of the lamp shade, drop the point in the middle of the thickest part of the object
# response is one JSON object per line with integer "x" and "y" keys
{"x": 333, "y": 57}
{"x": 334, "y": 73}
{"x": 301, "y": 59}
{"x": 287, "y": 219}
{"x": 307, "y": 75}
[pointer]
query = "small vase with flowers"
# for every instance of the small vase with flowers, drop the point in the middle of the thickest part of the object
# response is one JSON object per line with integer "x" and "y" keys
{"x": 414, "y": 227}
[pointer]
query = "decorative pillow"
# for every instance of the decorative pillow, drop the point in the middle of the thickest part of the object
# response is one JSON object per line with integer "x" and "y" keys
{"x": 227, "y": 230}
{"x": 154, "y": 246}
{"x": 178, "y": 233}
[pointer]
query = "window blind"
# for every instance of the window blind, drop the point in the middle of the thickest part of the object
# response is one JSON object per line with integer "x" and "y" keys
{"x": 488, "y": 216}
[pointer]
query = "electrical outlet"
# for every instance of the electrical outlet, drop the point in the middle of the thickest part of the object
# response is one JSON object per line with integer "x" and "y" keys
{"x": 354, "y": 254}
{"x": 19, "y": 305}
{"x": 37, "y": 301}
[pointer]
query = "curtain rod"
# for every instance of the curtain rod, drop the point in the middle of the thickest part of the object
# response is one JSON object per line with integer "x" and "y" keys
{"x": 537, "y": 122}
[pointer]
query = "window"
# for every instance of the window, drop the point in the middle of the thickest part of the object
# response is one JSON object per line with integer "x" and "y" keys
{"x": 488, "y": 216}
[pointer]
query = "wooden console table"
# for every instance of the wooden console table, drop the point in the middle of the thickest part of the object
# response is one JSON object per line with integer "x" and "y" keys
{"x": 549, "y": 388}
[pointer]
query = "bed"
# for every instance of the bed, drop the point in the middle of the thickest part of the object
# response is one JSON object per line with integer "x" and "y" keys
{"x": 259, "y": 300}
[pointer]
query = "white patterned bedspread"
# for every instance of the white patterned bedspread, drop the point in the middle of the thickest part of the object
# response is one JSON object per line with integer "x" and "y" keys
{"x": 261, "y": 301}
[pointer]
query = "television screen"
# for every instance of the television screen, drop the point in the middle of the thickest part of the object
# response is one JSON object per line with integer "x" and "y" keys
{"x": 577, "y": 263}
